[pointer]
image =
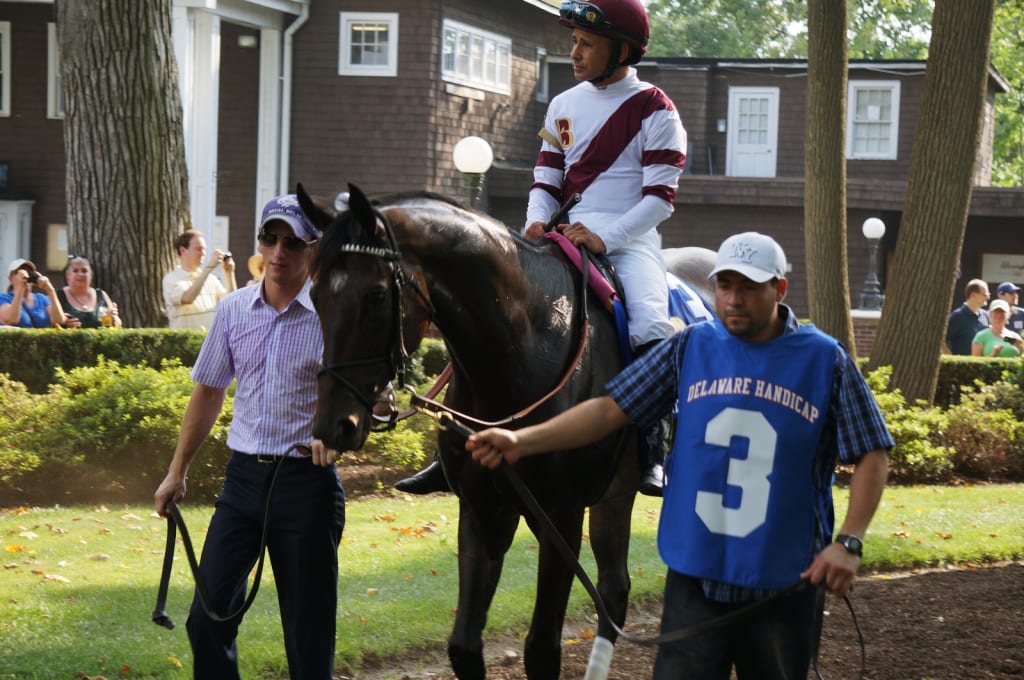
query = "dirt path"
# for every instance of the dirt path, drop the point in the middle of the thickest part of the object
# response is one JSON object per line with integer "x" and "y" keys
{"x": 960, "y": 624}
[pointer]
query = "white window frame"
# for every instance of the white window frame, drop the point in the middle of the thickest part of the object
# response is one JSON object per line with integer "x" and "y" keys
{"x": 543, "y": 76}
{"x": 5, "y": 69}
{"x": 480, "y": 59}
{"x": 347, "y": 22}
{"x": 55, "y": 103}
{"x": 854, "y": 88}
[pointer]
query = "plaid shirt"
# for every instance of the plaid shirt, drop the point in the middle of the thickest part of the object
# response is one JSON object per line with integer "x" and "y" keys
{"x": 648, "y": 389}
{"x": 275, "y": 356}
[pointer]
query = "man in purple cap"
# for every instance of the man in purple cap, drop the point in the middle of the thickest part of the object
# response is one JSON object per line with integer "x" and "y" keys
{"x": 268, "y": 338}
{"x": 1009, "y": 291}
{"x": 766, "y": 406}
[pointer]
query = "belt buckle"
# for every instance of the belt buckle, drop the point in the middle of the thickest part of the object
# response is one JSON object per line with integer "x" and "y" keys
{"x": 266, "y": 459}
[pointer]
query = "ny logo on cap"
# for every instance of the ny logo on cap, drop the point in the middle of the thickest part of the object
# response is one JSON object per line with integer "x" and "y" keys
{"x": 743, "y": 252}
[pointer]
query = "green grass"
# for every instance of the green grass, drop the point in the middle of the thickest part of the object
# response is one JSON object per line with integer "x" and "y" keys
{"x": 78, "y": 584}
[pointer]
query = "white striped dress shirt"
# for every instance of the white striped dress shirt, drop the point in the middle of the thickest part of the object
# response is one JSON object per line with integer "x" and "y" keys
{"x": 275, "y": 358}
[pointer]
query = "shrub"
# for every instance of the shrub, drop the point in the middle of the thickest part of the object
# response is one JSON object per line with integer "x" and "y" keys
{"x": 920, "y": 454}
{"x": 15, "y": 460}
{"x": 32, "y": 356}
{"x": 116, "y": 428}
{"x": 987, "y": 432}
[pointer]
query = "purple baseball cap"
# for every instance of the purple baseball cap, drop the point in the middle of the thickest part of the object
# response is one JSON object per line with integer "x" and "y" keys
{"x": 286, "y": 208}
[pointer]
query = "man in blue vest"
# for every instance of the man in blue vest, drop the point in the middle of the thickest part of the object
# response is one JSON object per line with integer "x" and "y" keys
{"x": 766, "y": 407}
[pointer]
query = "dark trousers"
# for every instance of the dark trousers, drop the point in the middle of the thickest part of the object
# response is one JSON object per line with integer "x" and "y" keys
{"x": 306, "y": 518}
{"x": 773, "y": 643}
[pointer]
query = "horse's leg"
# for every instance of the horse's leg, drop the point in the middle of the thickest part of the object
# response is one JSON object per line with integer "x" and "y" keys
{"x": 542, "y": 655}
{"x": 610, "y": 522}
{"x": 482, "y": 548}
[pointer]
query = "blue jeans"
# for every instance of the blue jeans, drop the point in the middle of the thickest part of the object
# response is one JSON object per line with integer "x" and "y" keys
{"x": 306, "y": 518}
{"x": 773, "y": 643}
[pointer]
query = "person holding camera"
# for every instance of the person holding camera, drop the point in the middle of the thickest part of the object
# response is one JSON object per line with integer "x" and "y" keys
{"x": 22, "y": 307}
{"x": 190, "y": 293}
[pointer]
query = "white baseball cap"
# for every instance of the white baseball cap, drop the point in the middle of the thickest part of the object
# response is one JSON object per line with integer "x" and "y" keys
{"x": 15, "y": 265}
{"x": 756, "y": 256}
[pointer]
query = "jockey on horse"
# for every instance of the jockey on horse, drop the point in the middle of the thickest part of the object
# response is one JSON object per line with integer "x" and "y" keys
{"x": 619, "y": 143}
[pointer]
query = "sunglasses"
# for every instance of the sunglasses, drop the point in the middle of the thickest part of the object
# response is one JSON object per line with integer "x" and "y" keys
{"x": 292, "y": 243}
{"x": 584, "y": 15}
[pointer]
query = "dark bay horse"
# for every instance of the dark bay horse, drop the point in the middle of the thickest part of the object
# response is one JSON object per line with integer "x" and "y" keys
{"x": 509, "y": 311}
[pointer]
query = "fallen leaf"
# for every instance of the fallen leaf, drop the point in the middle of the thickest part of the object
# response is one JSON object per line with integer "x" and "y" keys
{"x": 372, "y": 591}
{"x": 174, "y": 662}
{"x": 14, "y": 548}
{"x": 56, "y": 577}
{"x": 586, "y": 634}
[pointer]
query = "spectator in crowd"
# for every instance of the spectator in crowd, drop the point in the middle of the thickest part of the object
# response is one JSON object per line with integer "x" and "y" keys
{"x": 21, "y": 306}
{"x": 1008, "y": 291}
{"x": 996, "y": 340}
{"x": 966, "y": 320}
{"x": 267, "y": 338}
{"x": 85, "y": 305}
{"x": 190, "y": 292}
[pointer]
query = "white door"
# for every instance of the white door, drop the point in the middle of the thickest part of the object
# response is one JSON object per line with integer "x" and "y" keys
{"x": 752, "y": 135}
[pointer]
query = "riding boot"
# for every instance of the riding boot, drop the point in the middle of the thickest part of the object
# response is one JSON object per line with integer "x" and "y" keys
{"x": 654, "y": 444}
{"x": 427, "y": 480}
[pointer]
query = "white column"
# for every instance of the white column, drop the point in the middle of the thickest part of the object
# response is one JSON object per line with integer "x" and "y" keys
{"x": 268, "y": 142}
{"x": 201, "y": 142}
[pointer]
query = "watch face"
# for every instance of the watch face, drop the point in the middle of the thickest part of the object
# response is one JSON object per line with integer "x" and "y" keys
{"x": 852, "y": 543}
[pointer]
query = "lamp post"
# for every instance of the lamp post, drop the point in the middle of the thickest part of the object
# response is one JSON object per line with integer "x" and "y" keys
{"x": 871, "y": 298}
{"x": 473, "y": 158}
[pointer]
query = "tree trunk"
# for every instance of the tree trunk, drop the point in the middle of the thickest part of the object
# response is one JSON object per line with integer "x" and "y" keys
{"x": 825, "y": 170}
{"x": 920, "y": 289}
{"x": 127, "y": 182}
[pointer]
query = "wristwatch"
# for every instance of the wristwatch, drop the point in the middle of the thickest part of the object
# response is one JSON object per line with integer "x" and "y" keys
{"x": 852, "y": 543}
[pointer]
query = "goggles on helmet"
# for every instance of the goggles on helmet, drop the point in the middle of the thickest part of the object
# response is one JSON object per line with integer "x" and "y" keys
{"x": 584, "y": 15}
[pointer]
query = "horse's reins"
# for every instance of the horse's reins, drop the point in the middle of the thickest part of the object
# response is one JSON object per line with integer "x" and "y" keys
{"x": 176, "y": 522}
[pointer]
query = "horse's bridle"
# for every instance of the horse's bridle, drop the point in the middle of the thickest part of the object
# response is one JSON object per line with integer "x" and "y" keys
{"x": 396, "y": 355}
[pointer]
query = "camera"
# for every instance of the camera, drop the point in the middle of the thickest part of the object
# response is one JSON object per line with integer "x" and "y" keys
{"x": 227, "y": 257}
{"x": 33, "y": 275}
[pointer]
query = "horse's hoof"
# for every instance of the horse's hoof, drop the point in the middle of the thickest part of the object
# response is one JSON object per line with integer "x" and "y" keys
{"x": 427, "y": 480}
{"x": 651, "y": 481}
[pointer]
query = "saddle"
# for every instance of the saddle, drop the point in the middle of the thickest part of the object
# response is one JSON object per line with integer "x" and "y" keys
{"x": 685, "y": 306}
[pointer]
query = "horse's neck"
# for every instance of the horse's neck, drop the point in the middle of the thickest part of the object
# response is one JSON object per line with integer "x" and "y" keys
{"x": 484, "y": 291}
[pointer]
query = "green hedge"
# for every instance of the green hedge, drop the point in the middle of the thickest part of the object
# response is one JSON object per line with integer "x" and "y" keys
{"x": 32, "y": 356}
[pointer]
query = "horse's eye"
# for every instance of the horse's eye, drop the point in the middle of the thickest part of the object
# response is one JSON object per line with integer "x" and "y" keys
{"x": 378, "y": 296}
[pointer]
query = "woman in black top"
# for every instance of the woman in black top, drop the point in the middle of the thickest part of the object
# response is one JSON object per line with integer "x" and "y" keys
{"x": 89, "y": 307}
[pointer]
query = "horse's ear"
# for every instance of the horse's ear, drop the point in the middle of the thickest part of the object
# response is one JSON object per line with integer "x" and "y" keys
{"x": 361, "y": 209}
{"x": 317, "y": 215}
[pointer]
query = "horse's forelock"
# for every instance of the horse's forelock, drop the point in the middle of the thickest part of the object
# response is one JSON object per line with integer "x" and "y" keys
{"x": 344, "y": 229}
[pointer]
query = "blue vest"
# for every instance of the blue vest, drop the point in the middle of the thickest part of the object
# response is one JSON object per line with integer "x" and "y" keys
{"x": 741, "y": 499}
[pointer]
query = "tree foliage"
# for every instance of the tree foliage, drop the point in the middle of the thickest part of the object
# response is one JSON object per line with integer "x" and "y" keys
{"x": 1008, "y": 58}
